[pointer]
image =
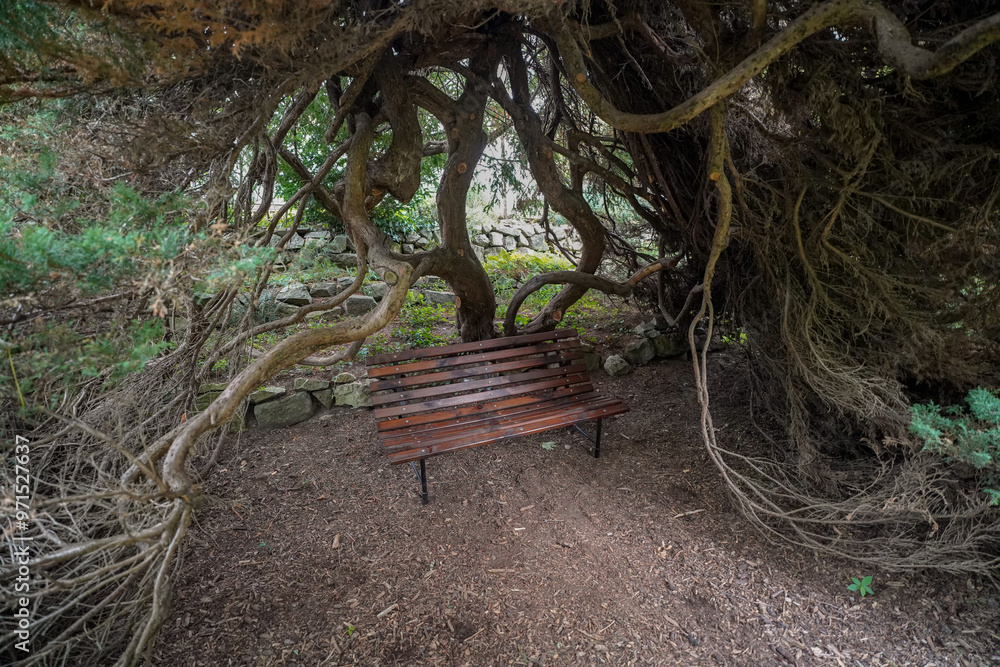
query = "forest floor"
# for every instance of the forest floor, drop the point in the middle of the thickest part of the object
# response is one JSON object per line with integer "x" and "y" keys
{"x": 312, "y": 550}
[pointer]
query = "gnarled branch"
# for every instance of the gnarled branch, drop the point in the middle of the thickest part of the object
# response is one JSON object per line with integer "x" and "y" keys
{"x": 580, "y": 279}
{"x": 894, "y": 43}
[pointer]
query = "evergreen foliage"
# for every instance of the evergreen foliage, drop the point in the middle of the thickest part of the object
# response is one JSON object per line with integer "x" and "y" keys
{"x": 965, "y": 435}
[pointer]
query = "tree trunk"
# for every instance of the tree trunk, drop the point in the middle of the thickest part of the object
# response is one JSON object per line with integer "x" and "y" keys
{"x": 455, "y": 261}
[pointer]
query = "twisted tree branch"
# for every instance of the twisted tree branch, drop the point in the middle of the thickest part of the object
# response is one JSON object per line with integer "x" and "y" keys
{"x": 895, "y": 45}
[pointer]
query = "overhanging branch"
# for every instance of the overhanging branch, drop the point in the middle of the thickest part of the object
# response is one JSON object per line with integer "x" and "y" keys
{"x": 894, "y": 40}
{"x": 581, "y": 279}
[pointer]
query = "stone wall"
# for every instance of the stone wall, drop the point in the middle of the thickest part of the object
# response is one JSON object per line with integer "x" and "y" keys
{"x": 508, "y": 234}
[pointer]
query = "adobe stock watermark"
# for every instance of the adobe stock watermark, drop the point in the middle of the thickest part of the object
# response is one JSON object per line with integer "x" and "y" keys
{"x": 20, "y": 543}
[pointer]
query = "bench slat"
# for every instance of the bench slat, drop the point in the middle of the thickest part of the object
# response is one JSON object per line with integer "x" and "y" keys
{"x": 466, "y": 359}
{"x": 466, "y": 399}
{"x": 497, "y": 407}
{"x": 473, "y": 385}
{"x": 478, "y": 346}
{"x": 476, "y": 417}
{"x": 511, "y": 430}
{"x": 459, "y": 373}
{"x": 447, "y": 431}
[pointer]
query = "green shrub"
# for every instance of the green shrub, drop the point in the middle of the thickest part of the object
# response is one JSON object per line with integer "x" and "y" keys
{"x": 969, "y": 436}
{"x": 508, "y": 271}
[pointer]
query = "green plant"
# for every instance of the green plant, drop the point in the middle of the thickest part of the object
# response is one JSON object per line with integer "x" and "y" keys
{"x": 971, "y": 436}
{"x": 510, "y": 270}
{"x": 862, "y": 586}
{"x": 378, "y": 343}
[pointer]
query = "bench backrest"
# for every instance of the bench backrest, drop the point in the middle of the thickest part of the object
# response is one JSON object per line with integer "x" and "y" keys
{"x": 453, "y": 381}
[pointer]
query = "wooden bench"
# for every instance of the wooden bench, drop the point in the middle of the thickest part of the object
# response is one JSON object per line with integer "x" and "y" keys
{"x": 442, "y": 399}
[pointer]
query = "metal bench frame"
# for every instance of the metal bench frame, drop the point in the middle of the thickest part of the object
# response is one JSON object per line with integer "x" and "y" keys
{"x": 441, "y": 399}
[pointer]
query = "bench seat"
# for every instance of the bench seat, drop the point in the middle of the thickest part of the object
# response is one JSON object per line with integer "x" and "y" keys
{"x": 441, "y": 399}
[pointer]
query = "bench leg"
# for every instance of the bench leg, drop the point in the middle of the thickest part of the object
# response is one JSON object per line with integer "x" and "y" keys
{"x": 423, "y": 481}
{"x": 422, "y": 476}
{"x": 596, "y": 439}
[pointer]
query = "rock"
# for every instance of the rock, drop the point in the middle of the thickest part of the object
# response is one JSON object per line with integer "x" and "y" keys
{"x": 481, "y": 240}
{"x": 339, "y": 244}
{"x": 670, "y": 345}
{"x": 407, "y": 248}
{"x": 537, "y": 242}
{"x": 591, "y": 357}
{"x": 510, "y": 243}
{"x": 296, "y": 294}
{"x": 205, "y": 400}
{"x": 354, "y": 394}
{"x": 509, "y": 229}
{"x": 212, "y": 386}
{"x": 396, "y": 247}
{"x": 347, "y": 260}
{"x": 345, "y": 282}
{"x": 266, "y": 394}
{"x": 641, "y": 329}
{"x": 322, "y": 236}
{"x": 285, "y": 411}
{"x": 496, "y": 239}
{"x": 376, "y": 290}
{"x": 411, "y": 237}
{"x": 293, "y": 243}
{"x": 344, "y": 378}
{"x": 325, "y": 315}
{"x": 358, "y": 304}
{"x": 324, "y": 396}
{"x": 285, "y": 310}
{"x": 311, "y": 384}
{"x": 320, "y": 290}
{"x": 422, "y": 242}
{"x": 640, "y": 352}
{"x": 615, "y": 366}
{"x": 438, "y": 298}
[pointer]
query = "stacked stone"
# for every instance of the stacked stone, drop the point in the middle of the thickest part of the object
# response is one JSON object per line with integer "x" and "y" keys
{"x": 655, "y": 341}
{"x": 511, "y": 234}
{"x": 508, "y": 234}
{"x": 276, "y": 406}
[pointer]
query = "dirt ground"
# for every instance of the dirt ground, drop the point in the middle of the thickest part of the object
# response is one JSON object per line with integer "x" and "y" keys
{"x": 311, "y": 549}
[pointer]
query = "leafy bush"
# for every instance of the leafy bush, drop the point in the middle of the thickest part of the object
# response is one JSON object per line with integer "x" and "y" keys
{"x": 508, "y": 271}
{"x": 971, "y": 436}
